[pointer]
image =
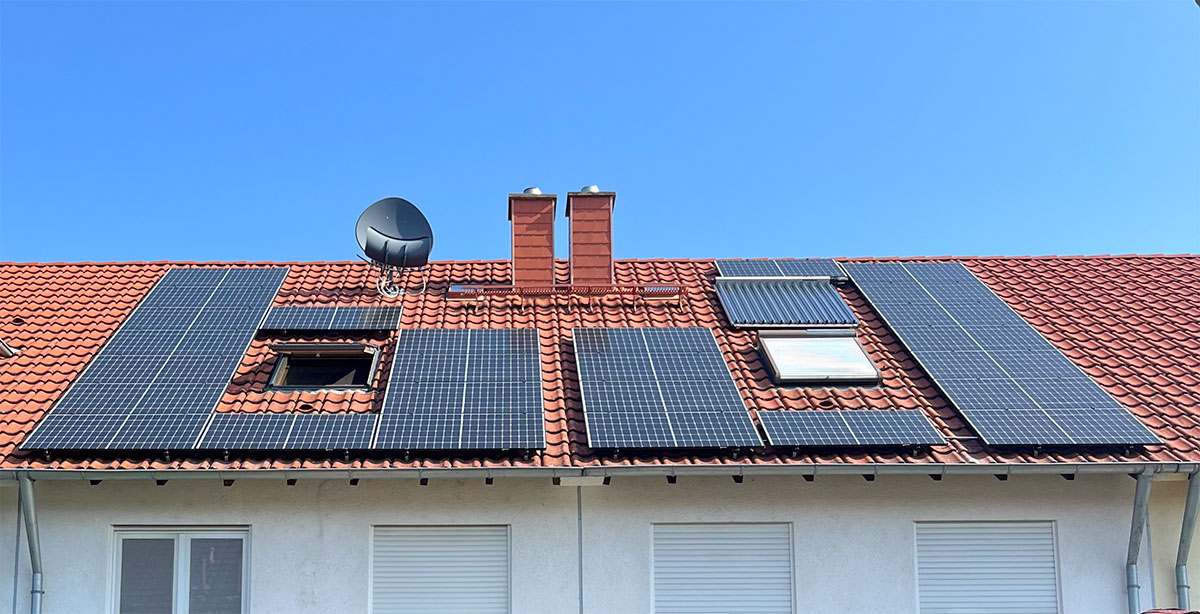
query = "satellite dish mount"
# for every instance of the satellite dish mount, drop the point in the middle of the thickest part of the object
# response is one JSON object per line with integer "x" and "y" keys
{"x": 394, "y": 235}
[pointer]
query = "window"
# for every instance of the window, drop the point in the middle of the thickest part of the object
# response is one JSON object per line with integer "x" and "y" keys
{"x": 440, "y": 569}
{"x": 986, "y": 567}
{"x": 324, "y": 365}
{"x": 812, "y": 356}
{"x": 734, "y": 567}
{"x": 166, "y": 571}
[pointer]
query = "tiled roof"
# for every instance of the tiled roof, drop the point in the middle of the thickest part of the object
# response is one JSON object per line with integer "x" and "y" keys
{"x": 1131, "y": 322}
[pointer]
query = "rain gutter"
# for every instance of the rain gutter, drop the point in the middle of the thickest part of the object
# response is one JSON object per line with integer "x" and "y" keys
{"x": 877, "y": 469}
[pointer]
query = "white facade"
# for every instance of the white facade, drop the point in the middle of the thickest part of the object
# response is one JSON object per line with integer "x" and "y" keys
{"x": 309, "y": 546}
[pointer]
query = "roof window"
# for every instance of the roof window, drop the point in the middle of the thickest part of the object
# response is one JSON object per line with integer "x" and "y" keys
{"x": 816, "y": 356}
{"x": 324, "y": 365}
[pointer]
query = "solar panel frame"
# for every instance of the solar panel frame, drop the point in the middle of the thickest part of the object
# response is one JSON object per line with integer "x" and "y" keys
{"x": 1102, "y": 426}
{"x": 163, "y": 415}
{"x": 74, "y": 432}
{"x": 632, "y": 412}
{"x": 840, "y": 428}
{"x": 806, "y": 428}
{"x": 331, "y": 432}
{"x": 236, "y": 431}
{"x": 158, "y": 432}
{"x": 783, "y": 302}
{"x": 1037, "y": 378}
{"x": 884, "y": 428}
{"x": 748, "y": 268}
{"x": 406, "y": 398}
{"x": 503, "y": 431}
{"x": 781, "y": 267}
{"x": 99, "y": 399}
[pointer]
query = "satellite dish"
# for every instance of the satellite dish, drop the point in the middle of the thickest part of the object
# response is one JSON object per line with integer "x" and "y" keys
{"x": 394, "y": 234}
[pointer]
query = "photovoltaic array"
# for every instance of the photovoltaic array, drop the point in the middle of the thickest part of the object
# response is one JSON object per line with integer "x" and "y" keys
{"x": 1009, "y": 382}
{"x": 848, "y": 428}
{"x": 464, "y": 389}
{"x": 659, "y": 388}
{"x": 305, "y": 317}
{"x": 763, "y": 303}
{"x": 157, "y": 380}
{"x": 784, "y": 267}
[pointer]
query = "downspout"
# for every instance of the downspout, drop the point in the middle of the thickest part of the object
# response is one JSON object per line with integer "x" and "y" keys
{"x": 579, "y": 529}
{"x": 1185, "y": 542}
{"x": 1141, "y": 500}
{"x": 35, "y": 547}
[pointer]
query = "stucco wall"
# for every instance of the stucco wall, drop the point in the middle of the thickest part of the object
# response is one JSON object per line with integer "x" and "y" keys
{"x": 310, "y": 543}
{"x": 1166, "y": 520}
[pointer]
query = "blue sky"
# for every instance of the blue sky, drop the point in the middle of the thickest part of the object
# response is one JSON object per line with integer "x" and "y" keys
{"x": 259, "y": 131}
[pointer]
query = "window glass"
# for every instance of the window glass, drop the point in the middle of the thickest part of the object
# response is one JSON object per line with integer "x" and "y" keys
{"x": 317, "y": 372}
{"x": 147, "y": 575}
{"x": 808, "y": 359}
{"x": 216, "y": 576}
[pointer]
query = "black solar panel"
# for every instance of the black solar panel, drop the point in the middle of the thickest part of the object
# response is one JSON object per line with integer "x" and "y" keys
{"x": 155, "y": 382}
{"x": 464, "y": 389}
{"x": 659, "y": 387}
{"x": 784, "y": 267}
{"x": 230, "y": 431}
{"x": 1006, "y": 379}
{"x": 332, "y": 432}
{"x": 848, "y": 428}
{"x": 308, "y": 317}
{"x": 158, "y": 431}
{"x": 760, "y": 303}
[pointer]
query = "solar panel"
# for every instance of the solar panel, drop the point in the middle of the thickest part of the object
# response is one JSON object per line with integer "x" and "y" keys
{"x": 158, "y": 431}
{"x": 848, "y": 428}
{"x": 659, "y": 387}
{"x": 331, "y": 432}
{"x": 1006, "y": 379}
{"x": 783, "y": 267}
{"x": 464, "y": 389}
{"x": 157, "y": 379}
{"x": 230, "y": 431}
{"x": 762, "y": 303}
{"x": 344, "y": 317}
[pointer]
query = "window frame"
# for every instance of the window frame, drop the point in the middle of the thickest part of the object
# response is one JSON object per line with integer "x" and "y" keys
{"x": 181, "y": 582}
{"x": 848, "y": 336}
{"x": 359, "y": 351}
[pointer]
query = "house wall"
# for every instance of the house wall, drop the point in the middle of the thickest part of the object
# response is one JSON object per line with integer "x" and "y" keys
{"x": 1166, "y": 520}
{"x": 309, "y": 544}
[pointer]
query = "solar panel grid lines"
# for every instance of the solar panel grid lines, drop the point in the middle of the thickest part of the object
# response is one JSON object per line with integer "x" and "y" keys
{"x": 816, "y": 428}
{"x": 783, "y": 302}
{"x": 1034, "y": 378}
{"x": 331, "y": 432}
{"x": 234, "y": 431}
{"x": 157, "y": 431}
{"x": 849, "y": 428}
{"x": 659, "y": 387}
{"x": 781, "y": 267}
{"x": 339, "y": 317}
{"x": 75, "y": 431}
{"x": 163, "y": 388}
{"x": 1101, "y": 426}
{"x": 464, "y": 389}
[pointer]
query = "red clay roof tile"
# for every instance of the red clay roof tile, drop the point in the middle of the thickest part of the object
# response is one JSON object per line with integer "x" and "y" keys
{"x": 1132, "y": 322}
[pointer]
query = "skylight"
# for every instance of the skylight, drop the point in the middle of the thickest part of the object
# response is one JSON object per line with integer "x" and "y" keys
{"x": 813, "y": 358}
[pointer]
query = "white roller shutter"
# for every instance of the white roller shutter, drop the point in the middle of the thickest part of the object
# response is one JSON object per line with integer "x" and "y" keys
{"x": 722, "y": 568}
{"x": 986, "y": 568}
{"x": 440, "y": 569}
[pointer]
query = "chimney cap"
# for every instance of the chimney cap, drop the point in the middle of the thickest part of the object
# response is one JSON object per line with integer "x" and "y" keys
{"x": 532, "y": 190}
{"x": 592, "y": 189}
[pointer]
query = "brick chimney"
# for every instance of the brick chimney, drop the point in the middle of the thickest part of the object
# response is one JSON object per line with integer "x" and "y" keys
{"x": 590, "y": 212}
{"x": 532, "y": 215}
